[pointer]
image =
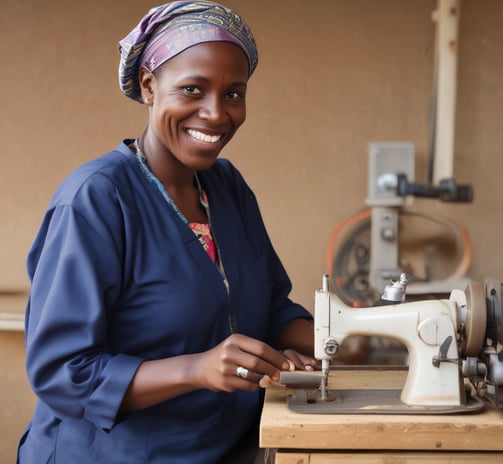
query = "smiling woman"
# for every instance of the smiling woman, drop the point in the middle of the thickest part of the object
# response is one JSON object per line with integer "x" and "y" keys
{"x": 194, "y": 114}
{"x": 158, "y": 306}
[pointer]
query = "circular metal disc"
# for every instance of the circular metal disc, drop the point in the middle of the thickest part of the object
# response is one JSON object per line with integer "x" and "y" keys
{"x": 476, "y": 318}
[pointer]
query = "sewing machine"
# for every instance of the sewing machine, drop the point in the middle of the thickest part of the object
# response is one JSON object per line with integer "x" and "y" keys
{"x": 449, "y": 343}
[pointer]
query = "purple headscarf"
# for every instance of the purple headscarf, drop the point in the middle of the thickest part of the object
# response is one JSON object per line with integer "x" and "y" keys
{"x": 169, "y": 29}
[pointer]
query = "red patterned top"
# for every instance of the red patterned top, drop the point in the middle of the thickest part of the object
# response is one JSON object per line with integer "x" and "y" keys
{"x": 203, "y": 233}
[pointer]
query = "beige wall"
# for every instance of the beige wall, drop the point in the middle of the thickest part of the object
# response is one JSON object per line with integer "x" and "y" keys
{"x": 333, "y": 76}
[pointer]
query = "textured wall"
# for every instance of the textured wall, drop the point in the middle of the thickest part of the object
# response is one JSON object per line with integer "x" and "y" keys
{"x": 333, "y": 76}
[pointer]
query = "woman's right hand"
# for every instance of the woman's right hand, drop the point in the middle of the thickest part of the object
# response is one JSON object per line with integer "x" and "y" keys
{"x": 216, "y": 369}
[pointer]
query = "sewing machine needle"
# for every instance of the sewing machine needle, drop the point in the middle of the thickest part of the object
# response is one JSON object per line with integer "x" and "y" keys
{"x": 325, "y": 367}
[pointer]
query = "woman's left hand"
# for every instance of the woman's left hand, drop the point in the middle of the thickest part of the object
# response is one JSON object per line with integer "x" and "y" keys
{"x": 299, "y": 361}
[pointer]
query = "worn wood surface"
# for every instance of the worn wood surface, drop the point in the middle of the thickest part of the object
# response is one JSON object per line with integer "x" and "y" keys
{"x": 281, "y": 428}
{"x": 387, "y": 457}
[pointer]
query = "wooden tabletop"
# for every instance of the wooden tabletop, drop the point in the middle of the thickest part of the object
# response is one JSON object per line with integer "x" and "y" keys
{"x": 282, "y": 428}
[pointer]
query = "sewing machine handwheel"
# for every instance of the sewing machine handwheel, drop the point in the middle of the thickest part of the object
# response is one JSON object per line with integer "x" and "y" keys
{"x": 494, "y": 331}
{"x": 476, "y": 318}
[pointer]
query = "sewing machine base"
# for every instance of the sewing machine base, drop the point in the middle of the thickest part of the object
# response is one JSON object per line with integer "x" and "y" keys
{"x": 370, "y": 402}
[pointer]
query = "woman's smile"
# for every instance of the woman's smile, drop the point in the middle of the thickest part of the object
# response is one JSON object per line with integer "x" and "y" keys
{"x": 202, "y": 137}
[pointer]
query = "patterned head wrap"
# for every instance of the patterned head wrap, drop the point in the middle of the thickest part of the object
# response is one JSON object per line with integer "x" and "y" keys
{"x": 169, "y": 29}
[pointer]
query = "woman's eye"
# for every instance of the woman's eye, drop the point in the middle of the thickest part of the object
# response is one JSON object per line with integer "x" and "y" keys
{"x": 192, "y": 90}
{"x": 233, "y": 95}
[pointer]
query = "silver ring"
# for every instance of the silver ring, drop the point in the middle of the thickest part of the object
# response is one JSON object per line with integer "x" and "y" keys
{"x": 242, "y": 372}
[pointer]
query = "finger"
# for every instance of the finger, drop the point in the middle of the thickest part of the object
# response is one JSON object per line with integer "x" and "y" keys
{"x": 309, "y": 363}
{"x": 246, "y": 385}
{"x": 257, "y": 357}
{"x": 257, "y": 367}
{"x": 294, "y": 360}
{"x": 265, "y": 381}
{"x": 264, "y": 352}
{"x": 300, "y": 361}
{"x": 248, "y": 380}
{"x": 248, "y": 375}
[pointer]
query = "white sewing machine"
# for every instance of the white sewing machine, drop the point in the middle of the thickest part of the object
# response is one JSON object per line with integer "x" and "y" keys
{"x": 447, "y": 341}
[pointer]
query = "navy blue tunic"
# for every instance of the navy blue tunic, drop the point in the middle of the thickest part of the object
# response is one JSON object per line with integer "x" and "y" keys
{"x": 118, "y": 278}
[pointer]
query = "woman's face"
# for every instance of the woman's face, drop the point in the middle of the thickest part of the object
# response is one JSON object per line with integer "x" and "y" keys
{"x": 197, "y": 102}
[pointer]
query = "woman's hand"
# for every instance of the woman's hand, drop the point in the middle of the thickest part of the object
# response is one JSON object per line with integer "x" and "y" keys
{"x": 300, "y": 361}
{"x": 216, "y": 369}
{"x": 259, "y": 363}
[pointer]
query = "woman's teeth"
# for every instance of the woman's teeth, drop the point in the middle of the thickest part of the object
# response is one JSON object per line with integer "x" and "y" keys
{"x": 203, "y": 137}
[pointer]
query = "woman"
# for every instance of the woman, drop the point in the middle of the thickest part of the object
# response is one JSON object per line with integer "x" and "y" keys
{"x": 157, "y": 304}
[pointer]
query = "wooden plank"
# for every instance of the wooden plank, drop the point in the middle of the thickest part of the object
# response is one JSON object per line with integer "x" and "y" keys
{"x": 446, "y": 56}
{"x": 11, "y": 322}
{"x": 281, "y": 428}
{"x": 386, "y": 457}
{"x": 292, "y": 458}
{"x": 12, "y": 309}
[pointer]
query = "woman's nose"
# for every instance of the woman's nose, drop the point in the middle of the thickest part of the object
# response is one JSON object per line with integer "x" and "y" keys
{"x": 212, "y": 109}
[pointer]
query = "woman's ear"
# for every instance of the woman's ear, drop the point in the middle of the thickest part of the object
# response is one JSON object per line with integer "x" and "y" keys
{"x": 147, "y": 82}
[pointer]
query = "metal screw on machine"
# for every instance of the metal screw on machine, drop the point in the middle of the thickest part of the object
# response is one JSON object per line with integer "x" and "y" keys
{"x": 388, "y": 233}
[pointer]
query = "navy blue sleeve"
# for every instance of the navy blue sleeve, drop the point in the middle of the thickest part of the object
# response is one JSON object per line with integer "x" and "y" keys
{"x": 75, "y": 267}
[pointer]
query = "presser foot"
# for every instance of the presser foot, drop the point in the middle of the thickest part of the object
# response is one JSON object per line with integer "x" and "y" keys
{"x": 370, "y": 402}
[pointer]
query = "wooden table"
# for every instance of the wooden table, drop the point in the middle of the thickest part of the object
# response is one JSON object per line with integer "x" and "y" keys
{"x": 377, "y": 439}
